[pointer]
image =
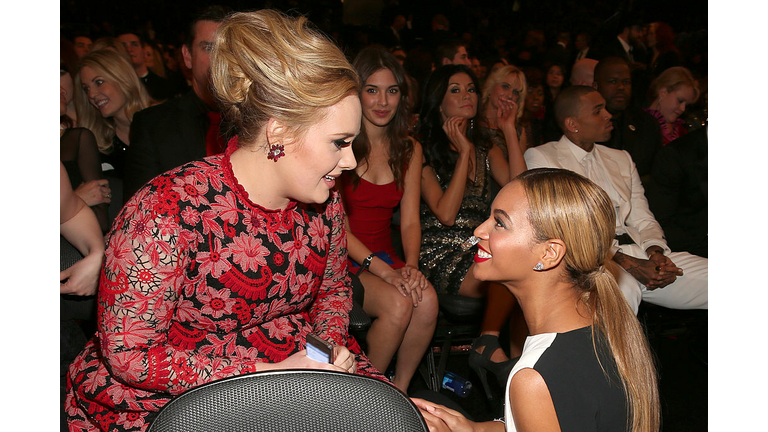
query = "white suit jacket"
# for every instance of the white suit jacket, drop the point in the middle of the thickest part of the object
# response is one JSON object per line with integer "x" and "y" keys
{"x": 633, "y": 210}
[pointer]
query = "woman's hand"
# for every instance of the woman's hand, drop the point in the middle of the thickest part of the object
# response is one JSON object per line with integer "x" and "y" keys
{"x": 456, "y": 130}
{"x": 440, "y": 418}
{"x": 417, "y": 279}
{"x": 506, "y": 116}
{"x": 95, "y": 192}
{"x": 406, "y": 286}
{"x": 344, "y": 359}
{"x": 82, "y": 278}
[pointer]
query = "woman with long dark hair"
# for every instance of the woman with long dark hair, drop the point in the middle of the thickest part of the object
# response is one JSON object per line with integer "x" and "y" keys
{"x": 459, "y": 162}
{"x": 388, "y": 177}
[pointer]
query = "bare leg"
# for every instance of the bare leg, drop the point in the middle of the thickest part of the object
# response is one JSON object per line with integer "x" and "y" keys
{"x": 417, "y": 338}
{"x": 392, "y": 312}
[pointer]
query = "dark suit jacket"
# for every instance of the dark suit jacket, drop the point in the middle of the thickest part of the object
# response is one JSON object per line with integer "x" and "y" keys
{"x": 677, "y": 192}
{"x": 163, "y": 137}
{"x": 159, "y": 88}
{"x": 639, "y": 133}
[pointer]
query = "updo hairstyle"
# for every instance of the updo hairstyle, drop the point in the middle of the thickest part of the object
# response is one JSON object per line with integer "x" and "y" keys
{"x": 266, "y": 64}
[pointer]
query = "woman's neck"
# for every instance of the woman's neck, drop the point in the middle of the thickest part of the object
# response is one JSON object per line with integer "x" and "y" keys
{"x": 551, "y": 307}
{"x": 255, "y": 173}
{"x": 376, "y": 135}
{"x": 123, "y": 130}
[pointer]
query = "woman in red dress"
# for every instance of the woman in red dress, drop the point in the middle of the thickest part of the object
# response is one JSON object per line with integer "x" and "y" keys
{"x": 396, "y": 292}
{"x": 223, "y": 266}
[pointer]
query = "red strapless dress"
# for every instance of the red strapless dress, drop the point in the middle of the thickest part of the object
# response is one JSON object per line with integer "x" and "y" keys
{"x": 370, "y": 208}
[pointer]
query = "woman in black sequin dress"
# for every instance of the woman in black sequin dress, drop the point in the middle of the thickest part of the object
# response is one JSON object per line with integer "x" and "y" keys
{"x": 458, "y": 165}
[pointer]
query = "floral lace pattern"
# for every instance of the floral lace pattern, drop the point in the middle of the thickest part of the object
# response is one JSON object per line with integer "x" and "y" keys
{"x": 201, "y": 284}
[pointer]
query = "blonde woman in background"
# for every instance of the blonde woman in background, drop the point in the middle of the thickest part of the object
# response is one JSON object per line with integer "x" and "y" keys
{"x": 502, "y": 107}
{"x": 670, "y": 94}
{"x": 108, "y": 94}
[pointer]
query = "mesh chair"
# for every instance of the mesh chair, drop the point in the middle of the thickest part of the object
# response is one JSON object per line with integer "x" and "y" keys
{"x": 291, "y": 400}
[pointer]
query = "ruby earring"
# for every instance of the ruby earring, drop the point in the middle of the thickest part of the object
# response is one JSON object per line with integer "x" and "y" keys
{"x": 275, "y": 152}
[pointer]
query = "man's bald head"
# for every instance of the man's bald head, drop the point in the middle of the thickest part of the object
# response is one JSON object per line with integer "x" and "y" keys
{"x": 583, "y": 72}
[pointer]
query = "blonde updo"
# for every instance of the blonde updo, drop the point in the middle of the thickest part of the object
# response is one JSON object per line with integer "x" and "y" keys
{"x": 266, "y": 64}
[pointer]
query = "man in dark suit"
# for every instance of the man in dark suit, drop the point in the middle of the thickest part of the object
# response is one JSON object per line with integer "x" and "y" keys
{"x": 634, "y": 130}
{"x": 183, "y": 129}
{"x": 677, "y": 193}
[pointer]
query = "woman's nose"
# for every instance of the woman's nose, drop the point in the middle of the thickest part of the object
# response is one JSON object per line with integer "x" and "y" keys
{"x": 348, "y": 160}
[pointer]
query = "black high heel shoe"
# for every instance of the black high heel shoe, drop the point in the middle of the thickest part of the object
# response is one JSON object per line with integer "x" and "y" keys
{"x": 482, "y": 364}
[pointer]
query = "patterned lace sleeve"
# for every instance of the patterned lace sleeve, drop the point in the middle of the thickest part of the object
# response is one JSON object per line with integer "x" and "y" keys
{"x": 330, "y": 310}
{"x": 139, "y": 295}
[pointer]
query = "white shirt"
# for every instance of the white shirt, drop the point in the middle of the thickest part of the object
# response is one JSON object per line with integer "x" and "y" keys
{"x": 593, "y": 170}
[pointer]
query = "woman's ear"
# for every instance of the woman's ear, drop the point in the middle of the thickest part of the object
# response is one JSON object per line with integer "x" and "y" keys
{"x": 275, "y": 132}
{"x": 553, "y": 253}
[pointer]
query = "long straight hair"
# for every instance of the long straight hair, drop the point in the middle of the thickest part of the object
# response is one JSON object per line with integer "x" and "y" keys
{"x": 369, "y": 61}
{"x": 569, "y": 207}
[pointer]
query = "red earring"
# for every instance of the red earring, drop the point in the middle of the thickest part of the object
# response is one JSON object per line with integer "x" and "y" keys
{"x": 275, "y": 152}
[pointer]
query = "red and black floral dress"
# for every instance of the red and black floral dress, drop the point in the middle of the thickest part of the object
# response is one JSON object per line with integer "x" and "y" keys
{"x": 201, "y": 284}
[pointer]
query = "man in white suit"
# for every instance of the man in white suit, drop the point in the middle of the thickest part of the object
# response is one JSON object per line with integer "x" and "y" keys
{"x": 643, "y": 264}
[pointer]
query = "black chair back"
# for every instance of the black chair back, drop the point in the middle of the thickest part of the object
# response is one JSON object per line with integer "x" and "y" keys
{"x": 291, "y": 400}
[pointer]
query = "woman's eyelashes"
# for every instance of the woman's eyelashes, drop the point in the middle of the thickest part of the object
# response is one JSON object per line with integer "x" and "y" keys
{"x": 340, "y": 143}
{"x": 499, "y": 223}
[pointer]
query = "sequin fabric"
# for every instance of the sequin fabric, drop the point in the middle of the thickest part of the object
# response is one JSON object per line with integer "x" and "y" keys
{"x": 442, "y": 259}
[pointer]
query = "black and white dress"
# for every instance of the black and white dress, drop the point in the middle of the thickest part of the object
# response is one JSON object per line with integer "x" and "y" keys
{"x": 585, "y": 397}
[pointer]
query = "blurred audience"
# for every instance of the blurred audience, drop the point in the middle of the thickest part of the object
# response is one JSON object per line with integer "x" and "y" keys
{"x": 583, "y": 72}
{"x": 182, "y": 129}
{"x": 83, "y": 45}
{"x": 664, "y": 52}
{"x": 159, "y": 88}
